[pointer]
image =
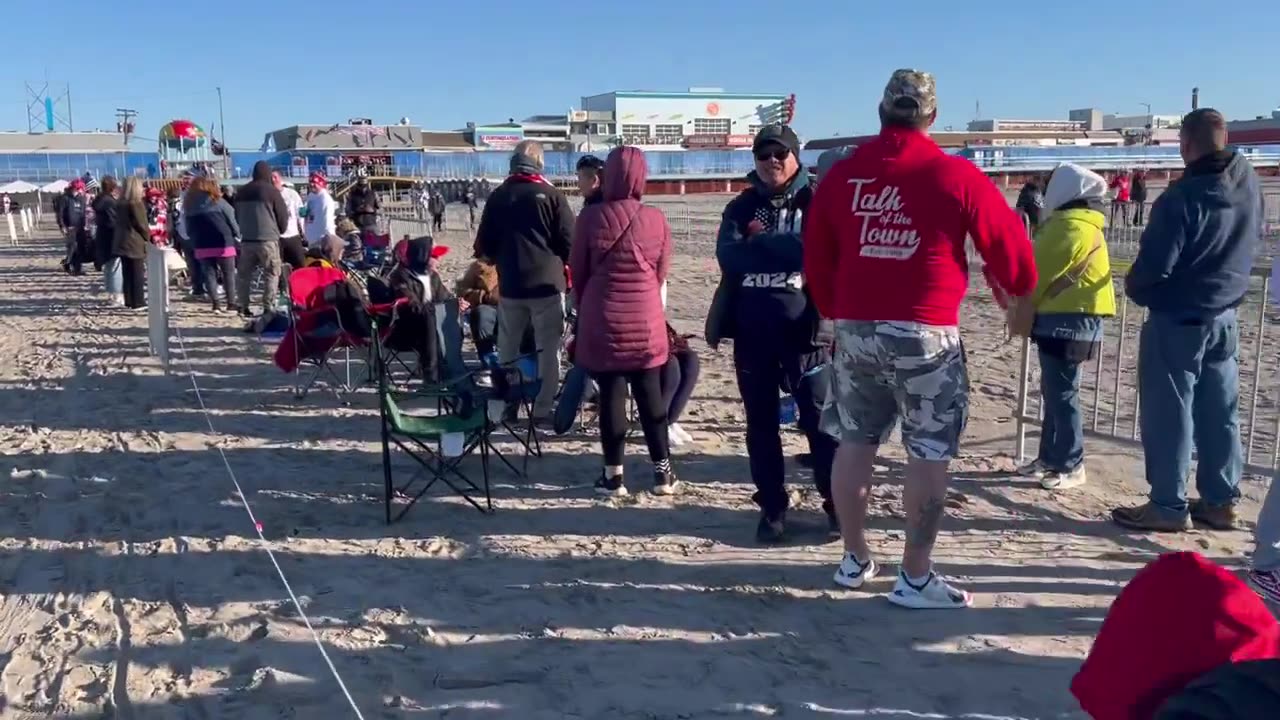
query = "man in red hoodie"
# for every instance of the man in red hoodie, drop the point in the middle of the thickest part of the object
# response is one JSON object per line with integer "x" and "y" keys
{"x": 884, "y": 256}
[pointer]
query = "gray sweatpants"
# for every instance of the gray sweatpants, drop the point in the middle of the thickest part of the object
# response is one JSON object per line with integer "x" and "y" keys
{"x": 1266, "y": 537}
{"x": 255, "y": 256}
{"x": 546, "y": 316}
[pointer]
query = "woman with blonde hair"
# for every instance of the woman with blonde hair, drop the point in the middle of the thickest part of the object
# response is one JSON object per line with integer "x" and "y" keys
{"x": 132, "y": 234}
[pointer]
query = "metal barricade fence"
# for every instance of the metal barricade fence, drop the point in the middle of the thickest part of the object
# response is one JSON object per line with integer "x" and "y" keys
{"x": 1109, "y": 397}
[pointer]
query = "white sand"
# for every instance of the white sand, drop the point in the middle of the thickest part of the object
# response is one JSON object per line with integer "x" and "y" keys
{"x": 132, "y": 584}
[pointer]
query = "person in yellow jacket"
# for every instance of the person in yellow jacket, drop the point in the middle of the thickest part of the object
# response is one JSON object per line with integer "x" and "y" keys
{"x": 1073, "y": 297}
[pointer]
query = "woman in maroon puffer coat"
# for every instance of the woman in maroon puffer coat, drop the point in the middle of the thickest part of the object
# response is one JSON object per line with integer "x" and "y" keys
{"x": 620, "y": 256}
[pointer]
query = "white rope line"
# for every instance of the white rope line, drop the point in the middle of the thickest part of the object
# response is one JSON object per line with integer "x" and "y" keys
{"x": 257, "y": 526}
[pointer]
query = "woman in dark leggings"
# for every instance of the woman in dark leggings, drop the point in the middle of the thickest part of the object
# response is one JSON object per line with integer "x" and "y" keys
{"x": 619, "y": 261}
{"x": 679, "y": 376}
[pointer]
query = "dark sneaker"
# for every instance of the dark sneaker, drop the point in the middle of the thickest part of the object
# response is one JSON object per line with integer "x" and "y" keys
{"x": 665, "y": 482}
{"x": 771, "y": 531}
{"x": 1149, "y": 517}
{"x": 611, "y": 486}
{"x": 833, "y": 526}
{"x": 1217, "y": 517}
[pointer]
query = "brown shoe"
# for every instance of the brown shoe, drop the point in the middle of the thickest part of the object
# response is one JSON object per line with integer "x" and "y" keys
{"x": 1149, "y": 517}
{"x": 1217, "y": 517}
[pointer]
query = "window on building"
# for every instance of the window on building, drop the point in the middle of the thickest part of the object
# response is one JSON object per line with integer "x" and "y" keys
{"x": 635, "y": 131}
{"x": 668, "y": 131}
{"x": 712, "y": 126}
{"x": 754, "y": 130}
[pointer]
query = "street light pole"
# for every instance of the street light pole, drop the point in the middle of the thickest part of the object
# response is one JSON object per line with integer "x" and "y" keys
{"x": 226, "y": 152}
{"x": 1147, "y": 106}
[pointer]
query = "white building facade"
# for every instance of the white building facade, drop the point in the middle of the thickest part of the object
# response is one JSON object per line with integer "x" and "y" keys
{"x": 698, "y": 118}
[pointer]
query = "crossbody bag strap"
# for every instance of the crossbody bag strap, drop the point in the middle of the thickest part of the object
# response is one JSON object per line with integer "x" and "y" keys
{"x": 1074, "y": 273}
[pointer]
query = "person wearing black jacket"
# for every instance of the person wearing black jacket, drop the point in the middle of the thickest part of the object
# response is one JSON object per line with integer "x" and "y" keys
{"x": 263, "y": 217}
{"x": 526, "y": 230}
{"x": 362, "y": 202}
{"x": 1138, "y": 194}
{"x": 73, "y": 217}
{"x": 1031, "y": 203}
{"x": 762, "y": 288}
{"x": 104, "y": 214}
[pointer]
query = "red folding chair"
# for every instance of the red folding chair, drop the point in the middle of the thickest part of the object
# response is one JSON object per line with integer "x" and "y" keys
{"x": 316, "y": 329}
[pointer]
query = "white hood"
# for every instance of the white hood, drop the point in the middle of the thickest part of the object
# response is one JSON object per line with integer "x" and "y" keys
{"x": 1071, "y": 182}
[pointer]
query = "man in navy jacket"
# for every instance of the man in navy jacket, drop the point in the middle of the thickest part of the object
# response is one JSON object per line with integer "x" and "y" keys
{"x": 1192, "y": 271}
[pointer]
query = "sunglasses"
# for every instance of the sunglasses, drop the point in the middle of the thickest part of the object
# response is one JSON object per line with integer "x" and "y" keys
{"x": 779, "y": 154}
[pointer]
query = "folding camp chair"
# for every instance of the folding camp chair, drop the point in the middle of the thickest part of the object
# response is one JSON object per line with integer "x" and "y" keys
{"x": 515, "y": 384}
{"x": 316, "y": 328}
{"x": 458, "y": 426}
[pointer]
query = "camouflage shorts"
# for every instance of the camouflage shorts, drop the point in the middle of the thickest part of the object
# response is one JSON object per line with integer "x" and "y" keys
{"x": 886, "y": 371}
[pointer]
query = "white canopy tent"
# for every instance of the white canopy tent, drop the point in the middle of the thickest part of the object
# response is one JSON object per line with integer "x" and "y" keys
{"x": 56, "y": 186}
{"x": 19, "y": 186}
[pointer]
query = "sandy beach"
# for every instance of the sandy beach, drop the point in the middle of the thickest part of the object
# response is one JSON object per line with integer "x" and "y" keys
{"x": 133, "y": 584}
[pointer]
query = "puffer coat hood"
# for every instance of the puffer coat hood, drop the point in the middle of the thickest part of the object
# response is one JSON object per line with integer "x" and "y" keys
{"x": 619, "y": 262}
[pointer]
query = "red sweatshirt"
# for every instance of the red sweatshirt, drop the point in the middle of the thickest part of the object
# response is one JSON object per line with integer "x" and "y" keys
{"x": 885, "y": 235}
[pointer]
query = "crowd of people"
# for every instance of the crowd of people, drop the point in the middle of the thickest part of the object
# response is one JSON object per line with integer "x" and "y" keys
{"x": 841, "y": 293}
{"x": 852, "y": 287}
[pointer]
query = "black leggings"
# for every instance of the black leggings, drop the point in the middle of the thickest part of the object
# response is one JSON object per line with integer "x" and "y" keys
{"x": 210, "y": 269}
{"x": 679, "y": 376}
{"x": 646, "y": 387}
{"x": 135, "y": 282}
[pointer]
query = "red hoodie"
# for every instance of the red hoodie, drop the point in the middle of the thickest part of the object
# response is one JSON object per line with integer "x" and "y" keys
{"x": 885, "y": 236}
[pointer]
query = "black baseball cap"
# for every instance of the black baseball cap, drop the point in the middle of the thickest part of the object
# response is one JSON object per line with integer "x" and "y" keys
{"x": 777, "y": 135}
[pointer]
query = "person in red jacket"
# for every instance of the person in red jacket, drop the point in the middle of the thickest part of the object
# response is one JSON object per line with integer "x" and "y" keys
{"x": 884, "y": 256}
{"x": 619, "y": 260}
{"x": 1119, "y": 186}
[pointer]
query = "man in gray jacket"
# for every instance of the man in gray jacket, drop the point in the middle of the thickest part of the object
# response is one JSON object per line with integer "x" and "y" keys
{"x": 263, "y": 217}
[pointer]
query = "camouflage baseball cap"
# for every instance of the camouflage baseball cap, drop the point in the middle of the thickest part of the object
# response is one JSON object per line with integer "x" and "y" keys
{"x": 915, "y": 85}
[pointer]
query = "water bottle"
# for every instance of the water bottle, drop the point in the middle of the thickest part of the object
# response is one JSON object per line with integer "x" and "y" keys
{"x": 786, "y": 410}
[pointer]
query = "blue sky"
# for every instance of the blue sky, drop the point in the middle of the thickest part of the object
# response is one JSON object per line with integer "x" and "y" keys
{"x": 443, "y": 63}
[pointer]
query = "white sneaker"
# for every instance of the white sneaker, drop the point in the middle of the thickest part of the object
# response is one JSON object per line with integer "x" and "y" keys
{"x": 117, "y": 299}
{"x": 935, "y": 594}
{"x": 1064, "y": 481}
{"x": 1034, "y": 470}
{"x": 673, "y": 436}
{"x": 677, "y": 435}
{"x": 852, "y": 574}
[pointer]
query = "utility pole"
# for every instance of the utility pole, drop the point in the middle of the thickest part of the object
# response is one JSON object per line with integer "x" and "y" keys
{"x": 124, "y": 124}
{"x": 222, "y": 127}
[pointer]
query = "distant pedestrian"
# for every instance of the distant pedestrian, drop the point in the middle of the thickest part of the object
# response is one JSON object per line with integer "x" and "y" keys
{"x": 1192, "y": 272}
{"x": 293, "y": 249}
{"x": 321, "y": 219}
{"x": 590, "y": 169}
{"x": 1138, "y": 193}
{"x": 104, "y": 211}
{"x": 215, "y": 233}
{"x": 526, "y": 230}
{"x": 132, "y": 235}
{"x": 436, "y": 206}
{"x": 75, "y": 226}
{"x": 1121, "y": 193}
{"x": 1031, "y": 203}
{"x": 263, "y": 218}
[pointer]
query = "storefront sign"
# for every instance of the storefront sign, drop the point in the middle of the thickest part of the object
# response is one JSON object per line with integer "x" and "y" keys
{"x": 504, "y": 139}
{"x": 717, "y": 141}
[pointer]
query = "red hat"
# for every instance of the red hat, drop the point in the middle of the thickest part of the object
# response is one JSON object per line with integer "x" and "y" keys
{"x": 76, "y": 184}
{"x": 319, "y": 180}
{"x": 153, "y": 191}
{"x": 439, "y": 251}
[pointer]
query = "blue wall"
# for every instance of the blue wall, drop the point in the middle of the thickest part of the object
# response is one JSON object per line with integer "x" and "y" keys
{"x": 46, "y": 167}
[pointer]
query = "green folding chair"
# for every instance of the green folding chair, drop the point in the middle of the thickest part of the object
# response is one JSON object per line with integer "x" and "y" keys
{"x": 459, "y": 419}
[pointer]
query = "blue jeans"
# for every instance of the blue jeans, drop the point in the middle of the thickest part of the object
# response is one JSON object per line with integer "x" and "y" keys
{"x": 112, "y": 277}
{"x": 1189, "y": 380}
{"x": 1266, "y": 537}
{"x": 1062, "y": 435}
{"x": 449, "y": 331}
